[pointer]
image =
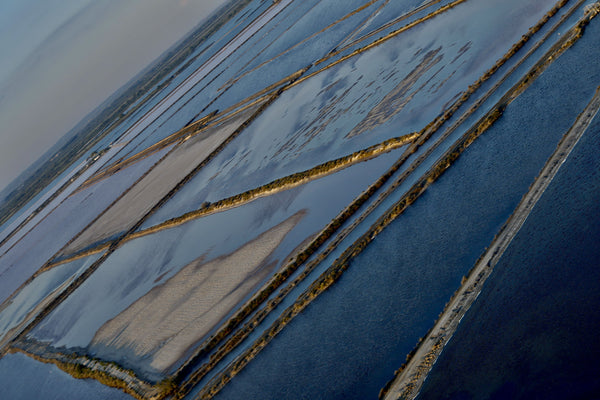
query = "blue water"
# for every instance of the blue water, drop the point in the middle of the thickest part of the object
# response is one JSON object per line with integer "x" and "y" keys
{"x": 22, "y": 378}
{"x": 533, "y": 331}
{"x": 348, "y": 342}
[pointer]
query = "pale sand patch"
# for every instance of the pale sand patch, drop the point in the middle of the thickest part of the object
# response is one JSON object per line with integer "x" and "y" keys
{"x": 172, "y": 317}
{"x": 154, "y": 186}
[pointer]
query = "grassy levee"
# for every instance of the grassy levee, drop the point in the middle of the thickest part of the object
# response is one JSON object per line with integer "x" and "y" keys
{"x": 345, "y": 17}
{"x": 275, "y": 186}
{"x": 117, "y": 111}
{"x": 275, "y": 282}
{"x": 471, "y": 284}
{"x": 252, "y": 99}
{"x": 430, "y": 128}
{"x": 128, "y": 235}
{"x": 385, "y": 26}
{"x": 196, "y": 127}
{"x": 331, "y": 276}
{"x": 284, "y": 183}
{"x": 390, "y": 35}
{"x": 423, "y": 137}
{"x": 59, "y": 259}
{"x": 96, "y": 248}
{"x": 108, "y": 171}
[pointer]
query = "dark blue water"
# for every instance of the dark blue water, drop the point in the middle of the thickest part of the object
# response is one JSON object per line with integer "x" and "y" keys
{"x": 22, "y": 378}
{"x": 533, "y": 331}
{"x": 348, "y": 342}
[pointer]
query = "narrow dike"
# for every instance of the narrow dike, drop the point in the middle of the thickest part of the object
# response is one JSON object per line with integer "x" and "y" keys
{"x": 268, "y": 189}
{"x": 333, "y": 273}
{"x": 166, "y": 386}
{"x": 113, "y": 245}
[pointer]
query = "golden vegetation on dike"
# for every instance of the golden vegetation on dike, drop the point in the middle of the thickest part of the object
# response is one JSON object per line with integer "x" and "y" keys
{"x": 332, "y": 274}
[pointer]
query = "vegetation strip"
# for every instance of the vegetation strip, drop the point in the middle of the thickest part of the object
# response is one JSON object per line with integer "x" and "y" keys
{"x": 118, "y": 241}
{"x": 411, "y": 375}
{"x": 50, "y": 263}
{"x": 209, "y": 121}
{"x": 389, "y": 24}
{"x": 434, "y": 126}
{"x": 297, "y": 77}
{"x": 288, "y": 182}
{"x": 330, "y": 276}
{"x": 230, "y": 9}
{"x": 340, "y": 265}
{"x": 155, "y": 148}
{"x": 410, "y": 380}
{"x": 275, "y": 282}
{"x": 57, "y": 259}
{"x": 387, "y": 37}
{"x": 270, "y": 188}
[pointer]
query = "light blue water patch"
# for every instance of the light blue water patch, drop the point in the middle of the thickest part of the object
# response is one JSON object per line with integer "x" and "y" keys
{"x": 47, "y": 285}
{"x": 62, "y": 224}
{"x": 22, "y": 378}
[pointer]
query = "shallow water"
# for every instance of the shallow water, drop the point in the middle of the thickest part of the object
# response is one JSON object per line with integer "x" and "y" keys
{"x": 22, "y": 378}
{"x": 393, "y": 89}
{"x": 47, "y": 285}
{"x": 59, "y": 225}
